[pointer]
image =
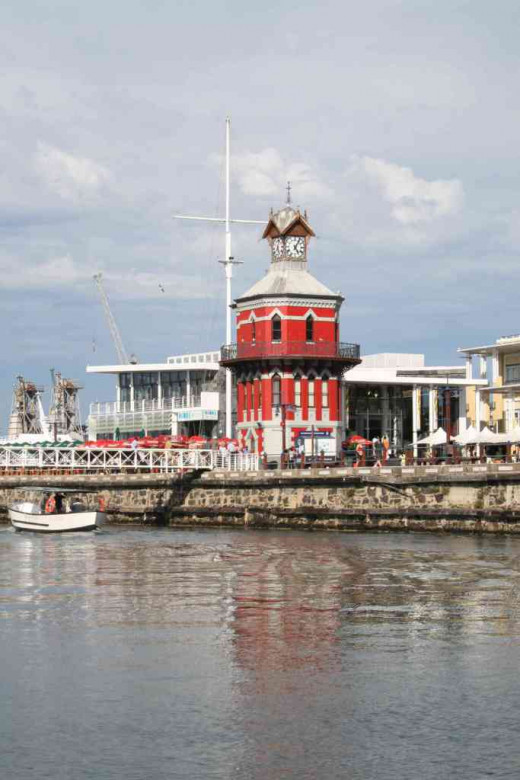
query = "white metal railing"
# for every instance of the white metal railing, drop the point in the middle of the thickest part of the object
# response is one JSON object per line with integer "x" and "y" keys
{"x": 92, "y": 459}
{"x": 104, "y": 408}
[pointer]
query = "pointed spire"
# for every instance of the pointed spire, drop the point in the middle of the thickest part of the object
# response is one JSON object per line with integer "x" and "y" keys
{"x": 288, "y": 193}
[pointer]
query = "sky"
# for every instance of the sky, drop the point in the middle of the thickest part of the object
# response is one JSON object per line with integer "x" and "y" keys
{"x": 396, "y": 121}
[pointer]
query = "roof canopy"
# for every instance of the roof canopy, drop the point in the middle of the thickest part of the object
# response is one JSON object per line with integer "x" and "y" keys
{"x": 287, "y": 221}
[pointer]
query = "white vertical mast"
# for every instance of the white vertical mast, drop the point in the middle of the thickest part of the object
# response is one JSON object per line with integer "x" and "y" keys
{"x": 228, "y": 264}
{"x": 229, "y": 274}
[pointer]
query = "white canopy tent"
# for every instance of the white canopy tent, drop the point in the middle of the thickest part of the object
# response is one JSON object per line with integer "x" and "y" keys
{"x": 435, "y": 439}
{"x": 511, "y": 438}
{"x": 486, "y": 436}
{"x": 466, "y": 437}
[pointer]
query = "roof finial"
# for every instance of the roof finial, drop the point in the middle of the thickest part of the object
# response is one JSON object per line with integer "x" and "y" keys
{"x": 289, "y": 193}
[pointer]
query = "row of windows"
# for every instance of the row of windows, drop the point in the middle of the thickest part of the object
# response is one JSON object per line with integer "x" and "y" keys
{"x": 277, "y": 392}
{"x": 256, "y": 397}
{"x": 256, "y": 393}
{"x": 276, "y": 328}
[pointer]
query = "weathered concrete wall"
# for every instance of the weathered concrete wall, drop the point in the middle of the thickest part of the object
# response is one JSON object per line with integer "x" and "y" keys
{"x": 460, "y": 499}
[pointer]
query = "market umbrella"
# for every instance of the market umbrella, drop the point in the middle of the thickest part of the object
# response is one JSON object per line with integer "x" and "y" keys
{"x": 356, "y": 439}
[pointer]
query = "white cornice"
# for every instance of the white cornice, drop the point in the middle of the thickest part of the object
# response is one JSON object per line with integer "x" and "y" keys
{"x": 294, "y": 318}
{"x": 313, "y": 303}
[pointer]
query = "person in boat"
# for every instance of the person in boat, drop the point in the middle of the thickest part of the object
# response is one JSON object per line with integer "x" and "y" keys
{"x": 59, "y": 503}
{"x": 50, "y": 504}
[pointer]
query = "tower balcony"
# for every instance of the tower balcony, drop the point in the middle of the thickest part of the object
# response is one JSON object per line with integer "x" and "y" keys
{"x": 269, "y": 350}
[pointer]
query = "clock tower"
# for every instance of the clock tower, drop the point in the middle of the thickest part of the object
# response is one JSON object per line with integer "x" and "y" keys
{"x": 288, "y": 359}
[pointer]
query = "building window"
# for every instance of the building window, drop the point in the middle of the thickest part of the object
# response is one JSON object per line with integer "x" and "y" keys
{"x": 259, "y": 395}
{"x": 513, "y": 373}
{"x": 276, "y": 328}
{"x": 325, "y": 393}
{"x": 124, "y": 385}
{"x": 277, "y": 390}
{"x": 146, "y": 386}
{"x": 298, "y": 392}
{"x": 311, "y": 393}
{"x": 309, "y": 328}
{"x": 253, "y": 331}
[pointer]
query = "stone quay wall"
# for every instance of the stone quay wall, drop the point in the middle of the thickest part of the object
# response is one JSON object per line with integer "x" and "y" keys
{"x": 479, "y": 498}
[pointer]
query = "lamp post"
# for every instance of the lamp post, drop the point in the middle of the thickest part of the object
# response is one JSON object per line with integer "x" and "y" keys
{"x": 283, "y": 408}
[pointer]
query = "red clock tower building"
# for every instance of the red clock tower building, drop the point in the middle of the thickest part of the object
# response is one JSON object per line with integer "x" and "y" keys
{"x": 288, "y": 360}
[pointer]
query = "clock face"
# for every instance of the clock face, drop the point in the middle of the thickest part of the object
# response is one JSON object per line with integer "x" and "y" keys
{"x": 278, "y": 248}
{"x": 295, "y": 246}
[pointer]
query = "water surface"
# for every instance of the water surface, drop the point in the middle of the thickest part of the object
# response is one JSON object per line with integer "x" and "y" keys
{"x": 157, "y": 653}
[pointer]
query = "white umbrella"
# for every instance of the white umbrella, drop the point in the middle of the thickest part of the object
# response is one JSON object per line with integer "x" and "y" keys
{"x": 435, "y": 439}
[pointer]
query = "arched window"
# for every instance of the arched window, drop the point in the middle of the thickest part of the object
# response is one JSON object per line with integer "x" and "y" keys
{"x": 259, "y": 395}
{"x": 276, "y": 328}
{"x": 253, "y": 331}
{"x": 325, "y": 393}
{"x": 310, "y": 391}
{"x": 246, "y": 397}
{"x": 309, "y": 328}
{"x": 277, "y": 390}
{"x": 297, "y": 391}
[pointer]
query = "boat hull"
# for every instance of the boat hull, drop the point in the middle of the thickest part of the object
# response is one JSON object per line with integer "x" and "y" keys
{"x": 54, "y": 523}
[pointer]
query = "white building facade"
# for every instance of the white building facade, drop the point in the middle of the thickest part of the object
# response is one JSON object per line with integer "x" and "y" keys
{"x": 184, "y": 395}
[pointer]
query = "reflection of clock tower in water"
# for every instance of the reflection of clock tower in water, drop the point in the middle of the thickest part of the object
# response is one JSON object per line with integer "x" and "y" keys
{"x": 288, "y": 360}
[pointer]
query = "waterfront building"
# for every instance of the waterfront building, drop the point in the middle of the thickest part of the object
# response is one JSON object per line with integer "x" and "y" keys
{"x": 497, "y": 403}
{"x": 288, "y": 359}
{"x": 184, "y": 395}
{"x": 398, "y": 395}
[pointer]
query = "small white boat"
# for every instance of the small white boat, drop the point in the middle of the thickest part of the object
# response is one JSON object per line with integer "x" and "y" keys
{"x": 59, "y": 510}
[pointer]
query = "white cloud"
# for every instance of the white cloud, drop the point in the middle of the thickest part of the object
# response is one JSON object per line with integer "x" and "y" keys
{"x": 265, "y": 174}
{"x": 72, "y": 178}
{"x": 412, "y": 200}
{"x": 59, "y": 271}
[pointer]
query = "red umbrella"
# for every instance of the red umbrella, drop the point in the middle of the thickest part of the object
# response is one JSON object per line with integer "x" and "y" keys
{"x": 197, "y": 442}
{"x": 356, "y": 439}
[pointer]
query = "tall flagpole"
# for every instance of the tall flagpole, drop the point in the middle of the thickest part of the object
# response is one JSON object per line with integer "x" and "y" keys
{"x": 228, "y": 264}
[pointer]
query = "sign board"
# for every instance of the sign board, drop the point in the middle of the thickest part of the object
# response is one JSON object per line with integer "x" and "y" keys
{"x": 316, "y": 434}
{"x": 188, "y": 415}
{"x": 325, "y": 444}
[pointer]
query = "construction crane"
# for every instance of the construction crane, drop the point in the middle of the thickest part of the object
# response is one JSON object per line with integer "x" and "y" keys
{"x": 114, "y": 330}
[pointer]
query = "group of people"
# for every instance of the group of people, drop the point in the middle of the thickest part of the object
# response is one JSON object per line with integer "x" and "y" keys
{"x": 380, "y": 451}
{"x": 230, "y": 448}
{"x": 293, "y": 457}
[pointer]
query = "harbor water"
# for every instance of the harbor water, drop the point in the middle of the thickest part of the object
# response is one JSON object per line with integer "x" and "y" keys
{"x": 159, "y": 653}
